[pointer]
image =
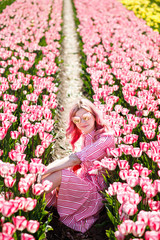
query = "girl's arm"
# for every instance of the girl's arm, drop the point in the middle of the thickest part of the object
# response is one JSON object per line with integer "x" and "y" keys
{"x": 63, "y": 163}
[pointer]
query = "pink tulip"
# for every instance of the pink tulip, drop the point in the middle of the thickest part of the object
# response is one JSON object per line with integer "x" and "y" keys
{"x": 152, "y": 235}
{"x": 129, "y": 208}
{"x": 14, "y": 134}
{"x": 119, "y": 235}
{"x": 24, "y": 140}
{"x": 26, "y": 236}
{"x": 126, "y": 227}
{"x": 154, "y": 205}
{"x": 9, "y": 181}
{"x": 143, "y": 216}
{"x": 47, "y": 185}
{"x": 5, "y": 236}
{"x": 8, "y": 228}
{"x": 144, "y": 146}
{"x": 138, "y": 228}
{"x": 136, "y": 152}
{"x": 29, "y": 204}
{"x": 37, "y": 189}
{"x": 32, "y": 226}
{"x": 154, "y": 223}
{"x": 22, "y": 167}
{"x": 20, "y": 222}
{"x": 123, "y": 164}
{"x": 23, "y": 186}
{"x": 132, "y": 181}
{"x": 156, "y": 183}
{"x": 8, "y": 208}
{"x": 39, "y": 150}
{"x": 123, "y": 174}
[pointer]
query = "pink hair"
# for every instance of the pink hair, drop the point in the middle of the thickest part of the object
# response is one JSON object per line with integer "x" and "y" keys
{"x": 73, "y": 132}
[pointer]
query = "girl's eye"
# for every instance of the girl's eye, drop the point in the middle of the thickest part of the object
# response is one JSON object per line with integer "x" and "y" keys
{"x": 76, "y": 119}
{"x": 86, "y": 117}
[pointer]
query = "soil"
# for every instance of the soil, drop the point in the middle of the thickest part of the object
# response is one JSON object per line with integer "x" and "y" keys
{"x": 69, "y": 90}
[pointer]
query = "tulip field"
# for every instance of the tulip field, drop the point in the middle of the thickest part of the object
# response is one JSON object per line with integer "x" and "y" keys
{"x": 120, "y": 57}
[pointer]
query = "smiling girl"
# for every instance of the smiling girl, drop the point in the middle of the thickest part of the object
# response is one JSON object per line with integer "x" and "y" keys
{"x": 77, "y": 181}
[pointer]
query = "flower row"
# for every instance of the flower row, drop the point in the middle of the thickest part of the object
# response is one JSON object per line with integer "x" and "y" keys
{"x": 28, "y": 86}
{"x": 122, "y": 63}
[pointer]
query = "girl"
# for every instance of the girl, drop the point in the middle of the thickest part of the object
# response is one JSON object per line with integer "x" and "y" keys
{"x": 76, "y": 177}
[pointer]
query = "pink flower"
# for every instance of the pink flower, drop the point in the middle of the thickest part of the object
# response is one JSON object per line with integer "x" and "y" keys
{"x": 24, "y": 140}
{"x": 156, "y": 183}
{"x": 14, "y": 134}
{"x": 29, "y": 204}
{"x": 126, "y": 227}
{"x": 39, "y": 150}
{"x": 23, "y": 186}
{"x": 109, "y": 163}
{"x": 22, "y": 167}
{"x": 119, "y": 235}
{"x": 32, "y": 226}
{"x": 132, "y": 180}
{"x": 47, "y": 185}
{"x": 5, "y": 236}
{"x": 136, "y": 152}
{"x": 20, "y": 222}
{"x": 143, "y": 216}
{"x": 129, "y": 208}
{"x": 37, "y": 189}
{"x": 9, "y": 181}
{"x": 138, "y": 228}
{"x": 8, "y": 228}
{"x": 123, "y": 164}
{"x": 26, "y": 236}
{"x": 145, "y": 172}
{"x": 154, "y": 222}
{"x": 144, "y": 146}
{"x": 8, "y": 208}
{"x": 152, "y": 235}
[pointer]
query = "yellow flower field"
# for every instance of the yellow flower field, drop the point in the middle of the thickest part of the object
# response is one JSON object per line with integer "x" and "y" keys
{"x": 148, "y": 10}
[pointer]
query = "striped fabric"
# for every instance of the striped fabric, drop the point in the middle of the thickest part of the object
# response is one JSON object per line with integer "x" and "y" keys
{"x": 79, "y": 201}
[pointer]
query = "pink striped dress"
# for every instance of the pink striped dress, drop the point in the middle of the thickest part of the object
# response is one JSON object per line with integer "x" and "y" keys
{"x": 79, "y": 200}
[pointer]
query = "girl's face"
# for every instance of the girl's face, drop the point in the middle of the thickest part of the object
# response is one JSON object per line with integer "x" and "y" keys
{"x": 84, "y": 121}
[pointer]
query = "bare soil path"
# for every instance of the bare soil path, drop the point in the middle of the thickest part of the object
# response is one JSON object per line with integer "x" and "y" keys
{"x": 71, "y": 84}
{"x": 70, "y": 89}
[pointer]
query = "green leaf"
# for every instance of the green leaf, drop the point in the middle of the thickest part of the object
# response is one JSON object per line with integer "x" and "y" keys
{"x": 43, "y": 236}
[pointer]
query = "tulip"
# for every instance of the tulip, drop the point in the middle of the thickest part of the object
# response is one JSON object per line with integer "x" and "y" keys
{"x": 138, "y": 228}
{"x": 8, "y": 208}
{"x": 9, "y": 181}
{"x": 5, "y": 236}
{"x": 8, "y": 228}
{"x": 29, "y": 204}
{"x": 37, "y": 189}
{"x": 154, "y": 223}
{"x": 47, "y": 185}
{"x": 26, "y": 236}
{"x": 136, "y": 152}
{"x": 126, "y": 227}
{"x": 23, "y": 186}
{"x": 32, "y": 226}
{"x": 119, "y": 235}
{"x": 123, "y": 164}
{"x": 156, "y": 184}
{"x": 14, "y": 134}
{"x": 20, "y": 222}
{"x": 129, "y": 208}
{"x": 152, "y": 235}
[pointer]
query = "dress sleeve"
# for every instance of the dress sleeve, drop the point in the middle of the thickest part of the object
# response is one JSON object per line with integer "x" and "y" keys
{"x": 96, "y": 150}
